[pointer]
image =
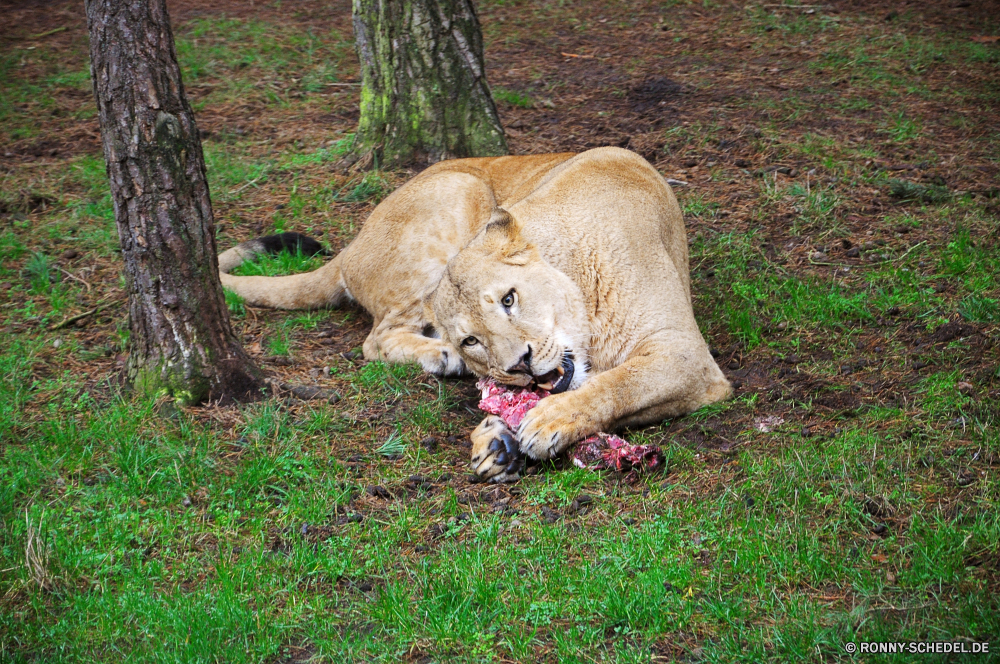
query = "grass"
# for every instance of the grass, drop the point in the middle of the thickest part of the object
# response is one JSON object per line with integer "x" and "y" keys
{"x": 283, "y": 262}
{"x": 513, "y": 97}
{"x": 290, "y": 531}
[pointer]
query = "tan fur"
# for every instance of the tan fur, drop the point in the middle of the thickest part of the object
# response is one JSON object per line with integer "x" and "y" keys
{"x": 595, "y": 249}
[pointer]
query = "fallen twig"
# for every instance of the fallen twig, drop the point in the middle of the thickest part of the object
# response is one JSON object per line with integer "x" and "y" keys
{"x": 48, "y": 32}
{"x": 73, "y": 276}
{"x": 907, "y": 252}
{"x": 576, "y": 55}
{"x": 251, "y": 182}
{"x": 72, "y": 319}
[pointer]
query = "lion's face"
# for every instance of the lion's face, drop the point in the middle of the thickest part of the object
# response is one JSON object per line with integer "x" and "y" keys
{"x": 513, "y": 316}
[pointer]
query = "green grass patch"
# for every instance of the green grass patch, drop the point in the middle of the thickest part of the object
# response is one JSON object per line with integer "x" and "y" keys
{"x": 281, "y": 263}
{"x": 513, "y": 98}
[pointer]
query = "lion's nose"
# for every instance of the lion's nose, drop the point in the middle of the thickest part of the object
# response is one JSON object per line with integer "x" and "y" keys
{"x": 523, "y": 365}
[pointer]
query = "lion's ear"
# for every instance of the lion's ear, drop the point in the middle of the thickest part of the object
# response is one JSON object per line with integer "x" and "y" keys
{"x": 504, "y": 238}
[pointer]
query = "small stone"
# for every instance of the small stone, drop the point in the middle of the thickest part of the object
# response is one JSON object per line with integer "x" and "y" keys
{"x": 186, "y": 501}
{"x": 818, "y": 256}
{"x": 580, "y": 503}
{"x": 734, "y": 365}
{"x": 880, "y": 529}
{"x": 378, "y": 491}
{"x": 70, "y": 254}
{"x": 965, "y": 387}
{"x": 57, "y": 343}
{"x": 965, "y": 480}
{"x": 854, "y": 252}
{"x": 550, "y": 515}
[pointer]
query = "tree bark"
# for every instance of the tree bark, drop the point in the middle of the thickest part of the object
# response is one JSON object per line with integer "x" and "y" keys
{"x": 181, "y": 340}
{"x": 424, "y": 95}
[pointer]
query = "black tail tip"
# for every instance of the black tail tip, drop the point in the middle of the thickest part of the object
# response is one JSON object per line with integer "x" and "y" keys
{"x": 293, "y": 242}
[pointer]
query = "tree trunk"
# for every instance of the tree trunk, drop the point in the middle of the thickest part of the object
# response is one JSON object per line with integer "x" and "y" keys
{"x": 424, "y": 96}
{"x": 181, "y": 340}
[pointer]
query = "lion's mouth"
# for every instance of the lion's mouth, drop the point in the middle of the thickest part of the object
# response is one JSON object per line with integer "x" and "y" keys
{"x": 559, "y": 379}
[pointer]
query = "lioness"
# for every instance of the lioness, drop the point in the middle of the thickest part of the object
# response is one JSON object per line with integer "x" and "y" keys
{"x": 569, "y": 270}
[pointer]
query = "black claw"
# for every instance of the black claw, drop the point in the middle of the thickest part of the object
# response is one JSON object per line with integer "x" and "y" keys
{"x": 494, "y": 445}
{"x": 502, "y": 458}
{"x": 510, "y": 443}
{"x": 515, "y": 466}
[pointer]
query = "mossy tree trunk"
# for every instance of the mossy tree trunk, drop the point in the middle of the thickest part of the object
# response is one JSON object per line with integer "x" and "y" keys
{"x": 181, "y": 340}
{"x": 424, "y": 95}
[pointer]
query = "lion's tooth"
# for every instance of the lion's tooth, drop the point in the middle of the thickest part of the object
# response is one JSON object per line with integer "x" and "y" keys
{"x": 545, "y": 386}
{"x": 560, "y": 370}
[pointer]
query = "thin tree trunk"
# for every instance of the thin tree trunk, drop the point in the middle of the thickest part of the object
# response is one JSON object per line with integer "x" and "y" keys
{"x": 424, "y": 95}
{"x": 181, "y": 340}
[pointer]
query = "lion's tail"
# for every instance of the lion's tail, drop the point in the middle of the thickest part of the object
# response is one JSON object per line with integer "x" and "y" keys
{"x": 324, "y": 287}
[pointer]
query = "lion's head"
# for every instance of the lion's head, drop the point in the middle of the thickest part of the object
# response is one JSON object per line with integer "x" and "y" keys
{"x": 512, "y": 315}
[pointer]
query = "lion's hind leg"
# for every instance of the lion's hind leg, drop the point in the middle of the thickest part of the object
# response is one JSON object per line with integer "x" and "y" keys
{"x": 401, "y": 343}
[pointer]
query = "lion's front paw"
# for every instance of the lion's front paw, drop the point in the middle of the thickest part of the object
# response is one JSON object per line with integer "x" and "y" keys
{"x": 444, "y": 362}
{"x": 554, "y": 424}
{"x": 496, "y": 456}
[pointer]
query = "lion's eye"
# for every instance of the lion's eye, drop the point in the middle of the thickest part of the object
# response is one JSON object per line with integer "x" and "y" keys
{"x": 470, "y": 341}
{"x": 508, "y": 299}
